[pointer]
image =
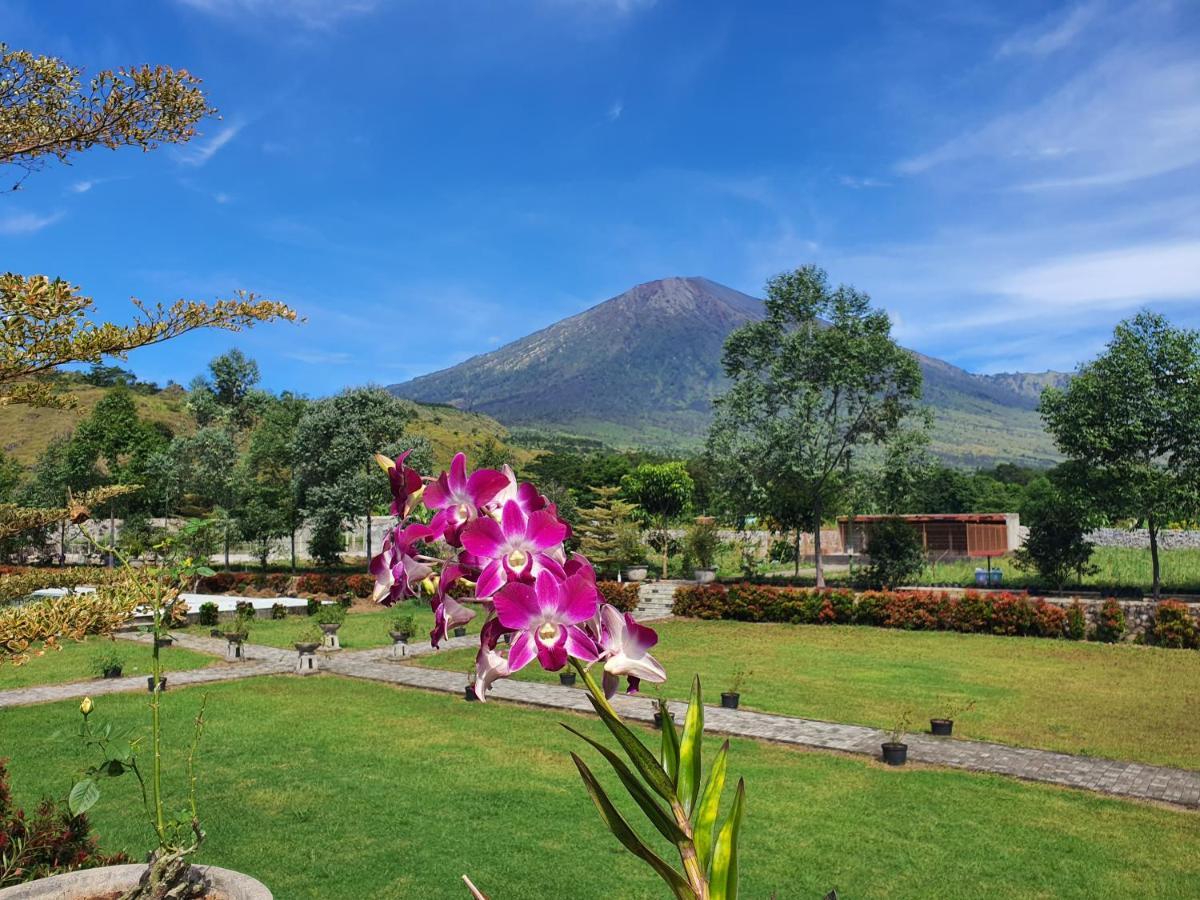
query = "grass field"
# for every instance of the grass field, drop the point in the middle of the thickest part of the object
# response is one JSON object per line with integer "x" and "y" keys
{"x": 1119, "y": 567}
{"x": 74, "y": 663}
{"x": 330, "y": 788}
{"x": 1118, "y": 701}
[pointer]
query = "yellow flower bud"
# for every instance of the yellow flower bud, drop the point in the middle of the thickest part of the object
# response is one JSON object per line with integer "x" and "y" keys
{"x": 86, "y": 706}
{"x": 429, "y": 585}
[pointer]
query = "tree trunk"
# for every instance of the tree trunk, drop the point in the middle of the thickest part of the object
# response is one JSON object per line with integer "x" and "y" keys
{"x": 666, "y": 540}
{"x": 817, "y": 546}
{"x": 1152, "y": 527}
{"x": 368, "y": 534}
{"x": 226, "y": 545}
{"x": 112, "y": 534}
{"x": 293, "y": 549}
{"x": 796, "y": 561}
{"x": 62, "y": 543}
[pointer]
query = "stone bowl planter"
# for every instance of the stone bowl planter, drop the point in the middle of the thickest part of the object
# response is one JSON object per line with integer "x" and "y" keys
{"x": 636, "y": 573}
{"x": 941, "y": 727}
{"x": 115, "y": 880}
{"x": 164, "y": 641}
{"x": 306, "y": 648}
{"x": 399, "y": 637}
{"x": 235, "y": 637}
{"x": 705, "y": 576}
{"x": 331, "y": 628}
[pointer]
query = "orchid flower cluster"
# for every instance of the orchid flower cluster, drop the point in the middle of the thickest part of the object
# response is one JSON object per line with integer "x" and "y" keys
{"x": 506, "y": 548}
{"x": 507, "y": 551}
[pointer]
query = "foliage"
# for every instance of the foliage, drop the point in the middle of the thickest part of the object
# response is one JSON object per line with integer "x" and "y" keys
{"x": 309, "y": 634}
{"x": 1110, "y": 623}
{"x": 621, "y": 595}
{"x": 629, "y": 549}
{"x": 700, "y": 543}
{"x": 600, "y": 529}
{"x": 31, "y": 628}
{"x": 897, "y": 555}
{"x": 814, "y": 381}
{"x": 208, "y": 614}
{"x": 229, "y": 397}
{"x": 107, "y": 660}
{"x": 278, "y": 611}
{"x": 404, "y": 625}
{"x": 951, "y": 708}
{"x": 330, "y": 614}
{"x": 901, "y": 726}
{"x": 1076, "y": 621}
{"x": 1128, "y": 422}
{"x": 49, "y": 842}
{"x": 661, "y": 491}
{"x": 1174, "y": 626}
{"x": 1056, "y": 546}
{"x": 268, "y": 507}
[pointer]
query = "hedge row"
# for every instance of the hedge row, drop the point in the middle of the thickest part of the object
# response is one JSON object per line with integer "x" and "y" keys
{"x": 1000, "y": 613}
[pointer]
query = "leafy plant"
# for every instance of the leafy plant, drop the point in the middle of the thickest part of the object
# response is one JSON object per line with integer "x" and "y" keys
{"x": 209, "y": 614}
{"x": 1174, "y": 625}
{"x": 897, "y": 555}
{"x": 740, "y": 676}
{"x": 309, "y": 634}
{"x": 278, "y": 611}
{"x": 1110, "y": 623}
{"x": 1076, "y": 621}
{"x": 331, "y": 614}
{"x": 700, "y": 543}
{"x": 630, "y": 552}
{"x": 404, "y": 625}
{"x": 950, "y": 708}
{"x": 897, "y": 732}
{"x": 107, "y": 660}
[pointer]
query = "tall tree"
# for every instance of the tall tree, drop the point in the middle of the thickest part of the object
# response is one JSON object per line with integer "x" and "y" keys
{"x": 1128, "y": 419}
{"x": 230, "y": 395}
{"x": 661, "y": 492}
{"x": 336, "y": 474}
{"x": 207, "y": 466}
{"x": 817, "y": 378}
{"x": 268, "y": 508}
{"x": 601, "y": 526}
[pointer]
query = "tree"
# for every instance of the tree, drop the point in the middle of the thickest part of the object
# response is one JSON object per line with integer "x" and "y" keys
{"x": 335, "y": 470}
{"x": 896, "y": 553}
{"x": 46, "y": 112}
{"x": 1056, "y": 546}
{"x": 1128, "y": 420}
{"x": 206, "y": 462}
{"x": 817, "y": 378}
{"x": 661, "y": 492}
{"x": 268, "y": 509}
{"x": 230, "y": 397}
{"x": 600, "y": 529}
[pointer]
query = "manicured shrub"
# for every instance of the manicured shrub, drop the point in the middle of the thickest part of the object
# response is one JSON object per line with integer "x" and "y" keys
{"x": 1012, "y": 615}
{"x": 1076, "y": 621}
{"x": 361, "y": 586}
{"x": 1110, "y": 623}
{"x": 312, "y": 606}
{"x": 707, "y": 601}
{"x": 278, "y": 611}
{"x": 621, "y": 594}
{"x": 897, "y": 555}
{"x": 277, "y": 582}
{"x": 245, "y": 609}
{"x": 208, "y": 613}
{"x": 869, "y": 610}
{"x": 219, "y": 583}
{"x": 972, "y": 613}
{"x": 1050, "y": 619}
{"x": 1174, "y": 625}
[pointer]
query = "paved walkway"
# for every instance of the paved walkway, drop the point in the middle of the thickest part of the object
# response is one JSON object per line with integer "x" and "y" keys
{"x": 1177, "y": 787}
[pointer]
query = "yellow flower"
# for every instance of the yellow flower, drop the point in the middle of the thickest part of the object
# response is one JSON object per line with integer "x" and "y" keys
{"x": 86, "y": 706}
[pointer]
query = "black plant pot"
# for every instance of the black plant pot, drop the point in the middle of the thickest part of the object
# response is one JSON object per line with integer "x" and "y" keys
{"x": 566, "y": 679}
{"x": 460, "y": 632}
{"x": 469, "y": 693}
{"x": 165, "y": 641}
{"x": 215, "y": 632}
{"x": 729, "y": 699}
{"x": 162, "y": 684}
{"x": 941, "y": 727}
{"x": 658, "y": 719}
{"x": 895, "y": 754}
{"x": 114, "y": 672}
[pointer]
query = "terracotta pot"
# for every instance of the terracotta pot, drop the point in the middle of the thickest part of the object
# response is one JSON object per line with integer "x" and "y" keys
{"x": 114, "y": 880}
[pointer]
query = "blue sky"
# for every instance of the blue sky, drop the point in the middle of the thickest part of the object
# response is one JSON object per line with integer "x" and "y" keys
{"x": 426, "y": 181}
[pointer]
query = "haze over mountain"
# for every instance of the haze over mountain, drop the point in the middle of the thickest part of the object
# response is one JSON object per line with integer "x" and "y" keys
{"x": 642, "y": 369}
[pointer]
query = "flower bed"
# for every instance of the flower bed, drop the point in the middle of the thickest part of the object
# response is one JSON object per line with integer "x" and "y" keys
{"x": 972, "y": 612}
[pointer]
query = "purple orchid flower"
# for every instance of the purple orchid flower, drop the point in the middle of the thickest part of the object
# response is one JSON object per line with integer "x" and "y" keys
{"x": 397, "y": 568}
{"x": 405, "y": 483}
{"x": 458, "y": 498}
{"x": 546, "y": 619}
{"x": 519, "y": 547}
{"x": 490, "y": 664}
{"x": 624, "y": 643}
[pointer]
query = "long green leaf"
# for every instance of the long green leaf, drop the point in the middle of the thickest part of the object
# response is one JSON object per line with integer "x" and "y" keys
{"x": 704, "y": 818}
{"x": 626, "y": 835}
{"x": 688, "y": 780}
{"x": 724, "y": 882}
{"x": 83, "y": 797}
{"x": 659, "y": 817}
{"x": 643, "y": 760}
{"x": 670, "y": 742}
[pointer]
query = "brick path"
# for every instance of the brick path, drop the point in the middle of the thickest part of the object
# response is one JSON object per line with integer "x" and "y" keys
{"x": 1177, "y": 787}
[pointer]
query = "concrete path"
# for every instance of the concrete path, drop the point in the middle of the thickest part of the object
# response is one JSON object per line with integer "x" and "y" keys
{"x": 1177, "y": 787}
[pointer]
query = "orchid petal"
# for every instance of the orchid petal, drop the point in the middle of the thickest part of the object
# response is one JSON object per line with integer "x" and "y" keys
{"x": 522, "y": 652}
{"x": 517, "y": 606}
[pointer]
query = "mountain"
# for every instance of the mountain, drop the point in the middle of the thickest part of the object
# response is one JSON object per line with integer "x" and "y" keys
{"x": 642, "y": 369}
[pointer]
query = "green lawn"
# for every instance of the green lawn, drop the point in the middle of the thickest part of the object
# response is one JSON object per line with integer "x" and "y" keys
{"x": 331, "y": 788}
{"x": 1122, "y": 701}
{"x": 360, "y": 630}
{"x": 74, "y": 662}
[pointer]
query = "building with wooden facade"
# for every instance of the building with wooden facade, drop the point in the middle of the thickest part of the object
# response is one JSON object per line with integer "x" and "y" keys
{"x": 947, "y": 536}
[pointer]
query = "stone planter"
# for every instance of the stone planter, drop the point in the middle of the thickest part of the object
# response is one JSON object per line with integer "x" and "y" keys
{"x": 113, "y": 881}
{"x": 306, "y": 658}
{"x": 705, "y": 576}
{"x": 331, "y": 641}
{"x": 399, "y": 644}
{"x": 234, "y": 649}
{"x": 636, "y": 573}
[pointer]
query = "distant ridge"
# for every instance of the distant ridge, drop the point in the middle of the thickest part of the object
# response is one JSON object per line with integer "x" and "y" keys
{"x": 642, "y": 368}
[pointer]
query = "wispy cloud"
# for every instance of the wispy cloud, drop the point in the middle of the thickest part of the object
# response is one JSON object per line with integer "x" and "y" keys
{"x": 1052, "y": 34}
{"x": 614, "y": 111}
{"x": 199, "y": 154}
{"x": 320, "y": 357}
{"x": 619, "y": 7}
{"x": 314, "y": 14}
{"x": 85, "y": 185}
{"x": 27, "y": 223}
{"x": 851, "y": 181}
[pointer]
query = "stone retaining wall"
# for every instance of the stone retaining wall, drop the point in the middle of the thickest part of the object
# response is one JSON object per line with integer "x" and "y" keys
{"x": 1139, "y": 539}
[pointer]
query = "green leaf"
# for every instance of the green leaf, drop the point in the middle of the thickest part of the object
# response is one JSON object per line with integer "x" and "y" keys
{"x": 642, "y": 759}
{"x": 670, "y": 742}
{"x": 688, "y": 779}
{"x": 724, "y": 882}
{"x": 83, "y": 797}
{"x": 659, "y": 817}
{"x": 205, "y": 571}
{"x": 626, "y": 835}
{"x": 704, "y": 817}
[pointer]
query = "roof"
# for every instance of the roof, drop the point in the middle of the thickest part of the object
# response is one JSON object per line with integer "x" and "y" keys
{"x": 969, "y": 518}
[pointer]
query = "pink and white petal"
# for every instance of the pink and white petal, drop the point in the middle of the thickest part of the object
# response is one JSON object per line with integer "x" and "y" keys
{"x": 489, "y": 666}
{"x": 483, "y": 537}
{"x": 638, "y": 638}
{"x": 456, "y": 613}
{"x": 543, "y": 563}
{"x": 457, "y": 479}
{"x": 544, "y": 530}
{"x": 611, "y": 683}
{"x": 512, "y": 522}
{"x": 437, "y": 493}
{"x": 578, "y": 600}
{"x": 522, "y": 651}
{"x": 548, "y": 588}
{"x": 485, "y": 484}
{"x": 491, "y": 579}
{"x": 579, "y": 645}
{"x": 645, "y": 667}
{"x": 517, "y": 606}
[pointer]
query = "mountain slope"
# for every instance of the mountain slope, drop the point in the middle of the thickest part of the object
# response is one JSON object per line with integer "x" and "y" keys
{"x": 642, "y": 369}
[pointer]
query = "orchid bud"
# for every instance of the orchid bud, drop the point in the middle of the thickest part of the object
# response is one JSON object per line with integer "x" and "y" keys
{"x": 384, "y": 463}
{"x": 86, "y": 706}
{"x": 428, "y": 585}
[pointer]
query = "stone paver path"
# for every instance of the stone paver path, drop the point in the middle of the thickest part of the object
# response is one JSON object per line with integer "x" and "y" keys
{"x": 1177, "y": 787}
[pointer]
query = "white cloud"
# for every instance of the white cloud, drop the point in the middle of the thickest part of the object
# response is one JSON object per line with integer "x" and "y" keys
{"x": 222, "y": 197}
{"x": 851, "y": 181}
{"x": 308, "y": 13}
{"x": 26, "y": 223}
{"x": 615, "y": 110}
{"x": 1050, "y": 35}
{"x": 199, "y": 154}
{"x": 620, "y": 7}
{"x": 320, "y": 357}
{"x": 82, "y": 187}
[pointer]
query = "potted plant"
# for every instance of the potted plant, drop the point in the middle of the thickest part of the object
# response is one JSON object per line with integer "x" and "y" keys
{"x": 631, "y": 553}
{"x": 239, "y": 629}
{"x": 566, "y": 678}
{"x": 308, "y": 640}
{"x": 330, "y": 617}
{"x": 108, "y": 664}
{"x": 460, "y": 631}
{"x": 895, "y": 751}
{"x": 402, "y": 629}
{"x": 469, "y": 689}
{"x": 952, "y": 709}
{"x": 700, "y": 543}
{"x": 731, "y": 697}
